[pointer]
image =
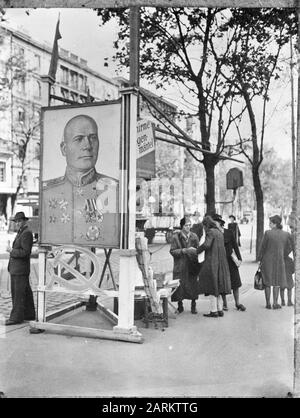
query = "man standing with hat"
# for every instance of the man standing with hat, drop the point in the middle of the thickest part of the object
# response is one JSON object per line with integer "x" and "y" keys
{"x": 19, "y": 269}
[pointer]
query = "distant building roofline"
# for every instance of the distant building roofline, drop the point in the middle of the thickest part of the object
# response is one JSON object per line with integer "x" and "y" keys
{"x": 80, "y": 63}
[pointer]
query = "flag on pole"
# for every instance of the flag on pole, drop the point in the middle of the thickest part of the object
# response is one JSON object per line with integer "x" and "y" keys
{"x": 54, "y": 56}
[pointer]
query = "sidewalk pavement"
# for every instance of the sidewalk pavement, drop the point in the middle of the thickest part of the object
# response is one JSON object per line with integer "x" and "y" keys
{"x": 243, "y": 354}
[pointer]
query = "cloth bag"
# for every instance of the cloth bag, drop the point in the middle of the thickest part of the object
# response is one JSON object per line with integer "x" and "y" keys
{"x": 258, "y": 280}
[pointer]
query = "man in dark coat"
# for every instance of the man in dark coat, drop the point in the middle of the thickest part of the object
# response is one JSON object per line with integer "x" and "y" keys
{"x": 186, "y": 267}
{"x": 19, "y": 269}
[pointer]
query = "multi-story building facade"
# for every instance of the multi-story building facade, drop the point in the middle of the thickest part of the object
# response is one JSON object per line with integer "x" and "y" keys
{"x": 23, "y": 61}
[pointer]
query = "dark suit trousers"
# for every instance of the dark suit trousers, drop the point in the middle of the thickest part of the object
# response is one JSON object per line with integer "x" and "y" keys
{"x": 22, "y": 298}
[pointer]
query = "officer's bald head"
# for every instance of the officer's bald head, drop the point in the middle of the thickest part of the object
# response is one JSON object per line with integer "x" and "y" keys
{"x": 80, "y": 143}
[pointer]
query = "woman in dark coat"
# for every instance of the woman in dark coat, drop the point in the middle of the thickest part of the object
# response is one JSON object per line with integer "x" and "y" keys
{"x": 233, "y": 226}
{"x": 235, "y": 279}
{"x": 275, "y": 248}
{"x": 186, "y": 269}
{"x": 214, "y": 277}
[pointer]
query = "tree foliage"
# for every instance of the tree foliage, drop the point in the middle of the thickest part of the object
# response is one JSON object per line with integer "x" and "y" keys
{"x": 222, "y": 61}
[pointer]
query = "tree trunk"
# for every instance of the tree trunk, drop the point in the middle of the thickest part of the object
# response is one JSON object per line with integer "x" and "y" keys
{"x": 209, "y": 166}
{"x": 256, "y": 161}
{"x": 13, "y": 201}
{"x": 259, "y": 209}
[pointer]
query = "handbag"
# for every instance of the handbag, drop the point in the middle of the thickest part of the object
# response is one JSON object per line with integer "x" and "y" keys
{"x": 258, "y": 280}
{"x": 236, "y": 261}
{"x": 290, "y": 265}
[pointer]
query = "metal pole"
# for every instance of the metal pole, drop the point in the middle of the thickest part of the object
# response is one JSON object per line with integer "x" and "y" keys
{"x": 293, "y": 137}
{"x": 134, "y": 56}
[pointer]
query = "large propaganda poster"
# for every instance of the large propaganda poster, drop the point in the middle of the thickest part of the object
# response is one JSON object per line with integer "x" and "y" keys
{"x": 80, "y": 171}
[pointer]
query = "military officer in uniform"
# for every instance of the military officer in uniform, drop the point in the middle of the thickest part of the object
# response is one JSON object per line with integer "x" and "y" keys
{"x": 80, "y": 207}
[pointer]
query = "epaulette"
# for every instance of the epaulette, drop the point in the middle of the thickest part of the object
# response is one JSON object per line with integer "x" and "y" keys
{"x": 106, "y": 178}
{"x": 53, "y": 182}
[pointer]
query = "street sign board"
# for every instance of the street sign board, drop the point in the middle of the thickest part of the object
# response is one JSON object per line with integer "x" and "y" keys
{"x": 145, "y": 149}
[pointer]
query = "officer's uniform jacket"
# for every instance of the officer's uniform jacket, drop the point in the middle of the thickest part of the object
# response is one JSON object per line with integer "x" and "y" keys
{"x": 81, "y": 210}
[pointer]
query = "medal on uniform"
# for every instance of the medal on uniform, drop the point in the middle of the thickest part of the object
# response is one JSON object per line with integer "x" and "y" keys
{"x": 91, "y": 211}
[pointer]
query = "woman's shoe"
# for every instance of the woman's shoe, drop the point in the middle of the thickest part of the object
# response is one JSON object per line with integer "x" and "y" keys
{"x": 221, "y": 313}
{"x": 268, "y": 306}
{"x": 276, "y": 306}
{"x": 282, "y": 303}
{"x": 225, "y": 308}
{"x": 240, "y": 307}
{"x": 211, "y": 315}
{"x": 193, "y": 307}
{"x": 180, "y": 308}
{"x": 290, "y": 304}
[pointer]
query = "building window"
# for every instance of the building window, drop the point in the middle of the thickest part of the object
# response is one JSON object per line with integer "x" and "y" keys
{"x": 74, "y": 79}
{"x": 35, "y": 182}
{"x": 37, "y": 89}
{"x": 37, "y": 151}
{"x": 82, "y": 83}
{"x": 37, "y": 62}
{"x": 21, "y": 85}
{"x": 25, "y": 183}
{"x": 64, "y": 75}
{"x": 2, "y": 171}
{"x": 19, "y": 51}
{"x": 37, "y": 116}
{"x": 21, "y": 115}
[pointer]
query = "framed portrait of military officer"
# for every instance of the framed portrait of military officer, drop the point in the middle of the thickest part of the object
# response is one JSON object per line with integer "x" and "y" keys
{"x": 80, "y": 175}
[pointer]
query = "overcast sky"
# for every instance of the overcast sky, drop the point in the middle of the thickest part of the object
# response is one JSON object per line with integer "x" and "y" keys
{"x": 82, "y": 35}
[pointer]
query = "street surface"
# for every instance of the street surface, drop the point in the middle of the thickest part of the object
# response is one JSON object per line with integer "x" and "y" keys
{"x": 243, "y": 354}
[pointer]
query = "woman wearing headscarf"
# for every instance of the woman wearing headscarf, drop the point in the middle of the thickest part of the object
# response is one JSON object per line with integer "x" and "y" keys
{"x": 214, "y": 277}
{"x": 275, "y": 248}
{"x": 186, "y": 268}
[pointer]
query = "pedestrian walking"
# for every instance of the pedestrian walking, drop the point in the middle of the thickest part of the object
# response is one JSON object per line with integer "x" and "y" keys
{"x": 186, "y": 267}
{"x": 231, "y": 247}
{"x": 19, "y": 269}
{"x": 275, "y": 248}
{"x": 233, "y": 226}
{"x": 214, "y": 277}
